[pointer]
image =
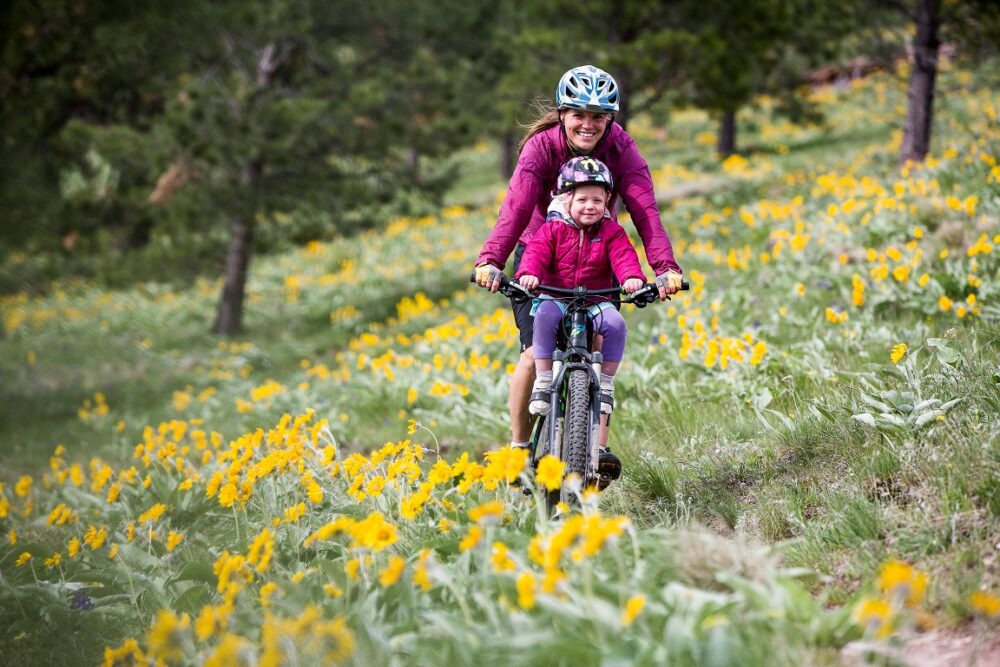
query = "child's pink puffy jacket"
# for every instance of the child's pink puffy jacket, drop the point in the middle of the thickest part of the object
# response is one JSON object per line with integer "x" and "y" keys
{"x": 523, "y": 210}
{"x": 563, "y": 255}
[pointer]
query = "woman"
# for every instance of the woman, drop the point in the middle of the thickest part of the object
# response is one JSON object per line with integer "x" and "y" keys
{"x": 582, "y": 123}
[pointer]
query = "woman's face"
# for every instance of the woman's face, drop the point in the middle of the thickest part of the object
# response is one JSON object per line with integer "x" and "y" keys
{"x": 584, "y": 128}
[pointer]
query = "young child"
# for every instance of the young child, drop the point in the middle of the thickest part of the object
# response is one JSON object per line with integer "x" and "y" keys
{"x": 580, "y": 245}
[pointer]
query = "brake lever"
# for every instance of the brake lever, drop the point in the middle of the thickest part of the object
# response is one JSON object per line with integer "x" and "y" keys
{"x": 643, "y": 296}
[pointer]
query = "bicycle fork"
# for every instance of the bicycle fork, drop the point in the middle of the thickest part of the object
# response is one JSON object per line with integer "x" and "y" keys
{"x": 581, "y": 358}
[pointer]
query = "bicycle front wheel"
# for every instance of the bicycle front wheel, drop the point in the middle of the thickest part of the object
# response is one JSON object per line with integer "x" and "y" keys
{"x": 578, "y": 428}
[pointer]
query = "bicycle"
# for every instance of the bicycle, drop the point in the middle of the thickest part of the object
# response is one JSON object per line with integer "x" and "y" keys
{"x": 569, "y": 431}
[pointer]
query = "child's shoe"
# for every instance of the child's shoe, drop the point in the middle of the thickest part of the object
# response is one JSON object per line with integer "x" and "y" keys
{"x": 609, "y": 467}
{"x": 540, "y": 402}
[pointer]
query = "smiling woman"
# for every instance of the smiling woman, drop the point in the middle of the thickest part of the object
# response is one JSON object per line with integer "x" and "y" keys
{"x": 581, "y": 124}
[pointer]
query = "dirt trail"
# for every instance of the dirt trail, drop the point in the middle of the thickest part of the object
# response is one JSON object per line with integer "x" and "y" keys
{"x": 962, "y": 647}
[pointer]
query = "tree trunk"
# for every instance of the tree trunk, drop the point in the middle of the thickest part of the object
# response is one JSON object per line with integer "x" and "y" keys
{"x": 726, "y": 145}
{"x": 508, "y": 154}
{"x": 229, "y": 316}
{"x": 413, "y": 163}
{"x": 920, "y": 109}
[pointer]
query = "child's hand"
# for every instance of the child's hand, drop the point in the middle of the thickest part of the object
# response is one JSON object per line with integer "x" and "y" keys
{"x": 528, "y": 282}
{"x": 630, "y": 286}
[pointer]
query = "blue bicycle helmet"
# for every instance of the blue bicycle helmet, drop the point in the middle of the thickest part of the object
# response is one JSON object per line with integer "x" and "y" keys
{"x": 587, "y": 88}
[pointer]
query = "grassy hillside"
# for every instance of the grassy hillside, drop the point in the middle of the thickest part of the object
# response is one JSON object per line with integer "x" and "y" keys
{"x": 809, "y": 435}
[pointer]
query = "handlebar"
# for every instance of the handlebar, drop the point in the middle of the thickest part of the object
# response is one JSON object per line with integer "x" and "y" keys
{"x": 643, "y": 296}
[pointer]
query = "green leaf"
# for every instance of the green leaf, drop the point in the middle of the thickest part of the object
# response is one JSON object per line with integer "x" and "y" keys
{"x": 195, "y": 570}
{"x": 946, "y": 355}
{"x": 192, "y": 600}
{"x": 865, "y": 418}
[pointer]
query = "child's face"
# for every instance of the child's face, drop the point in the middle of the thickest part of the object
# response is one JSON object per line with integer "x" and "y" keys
{"x": 588, "y": 204}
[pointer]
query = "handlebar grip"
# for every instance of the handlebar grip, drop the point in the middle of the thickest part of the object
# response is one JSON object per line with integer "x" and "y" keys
{"x": 503, "y": 278}
{"x": 684, "y": 284}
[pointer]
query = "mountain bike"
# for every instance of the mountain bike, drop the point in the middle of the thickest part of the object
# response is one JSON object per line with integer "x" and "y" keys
{"x": 569, "y": 431}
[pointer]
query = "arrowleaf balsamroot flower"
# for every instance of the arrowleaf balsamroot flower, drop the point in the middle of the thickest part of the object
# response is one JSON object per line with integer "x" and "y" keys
{"x": 486, "y": 512}
{"x": 174, "y": 539}
{"x": 633, "y": 608}
{"x": 902, "y": 582}
{"x": 471, "y": 539}
{"x": 165, "y": 638}
{"x": 527, "y": 586}
{"x": 391, "y": 573}
{"x": 898, "y": 352}
{"x": 500, "y": 559}
{"x": 550, "y": 472}
{"x": 986, "y": 604}
{"x": 875, "y": 616}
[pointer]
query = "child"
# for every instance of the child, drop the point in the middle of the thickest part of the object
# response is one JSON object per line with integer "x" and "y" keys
{"x": 580, "y": 245}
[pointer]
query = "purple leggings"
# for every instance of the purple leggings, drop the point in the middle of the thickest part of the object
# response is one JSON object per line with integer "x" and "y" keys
{"x": 609, "y": 323}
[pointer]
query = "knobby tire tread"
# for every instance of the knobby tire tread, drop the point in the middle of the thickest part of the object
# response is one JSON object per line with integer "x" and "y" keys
{"x": 577, "y": 426}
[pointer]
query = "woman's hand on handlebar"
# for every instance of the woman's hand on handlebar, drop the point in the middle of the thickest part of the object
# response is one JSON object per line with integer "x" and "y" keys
{"x": 629, "y": 286}
{"x": 528, "y": 282}
{"x": 488, "y": 276}
{"x": 668, "y": 283}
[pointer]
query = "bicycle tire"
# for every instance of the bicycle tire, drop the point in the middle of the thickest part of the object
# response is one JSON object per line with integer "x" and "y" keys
{"x": 576, "y": 436}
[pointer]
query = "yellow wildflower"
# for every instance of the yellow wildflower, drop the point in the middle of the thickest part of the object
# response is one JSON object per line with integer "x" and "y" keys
{"x": 471, "y": 539}
{"x": 23, "y": 486}
{"x": 153, "y": 513}
{"x": 486, "y": 511}
{"x": 986, "y": 604}
{"x": 898, "y": 352}
{"x": 174, "y": 539}
{"x": 526, "y": 587}
{"x": 902, "y": 581}
{"x": 266, "y": 591}
{"x": 128, "y": 653}
{"x": 550, "y": 472}
{"x": 94, "y": 537}
{"x": 23, "y": 558}
{"x": 633, "y": 608}
{"x": 231, "y": 650}
{"x": 390, "y": 575}
{"x": 501, "y": 560}
{"x": 420, "y": 576}
{"x": 165, "y": 638}
{"x": 875, "y": 616}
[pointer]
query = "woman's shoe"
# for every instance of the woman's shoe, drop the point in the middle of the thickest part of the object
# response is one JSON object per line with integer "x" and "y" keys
{"x": 609, "y": 467}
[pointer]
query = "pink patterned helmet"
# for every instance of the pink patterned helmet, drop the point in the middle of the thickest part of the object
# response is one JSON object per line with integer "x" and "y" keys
{"x": 583, "y": 170}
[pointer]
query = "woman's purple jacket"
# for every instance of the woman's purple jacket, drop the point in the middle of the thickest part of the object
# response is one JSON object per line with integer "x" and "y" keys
{"x": 530, "y": 191}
